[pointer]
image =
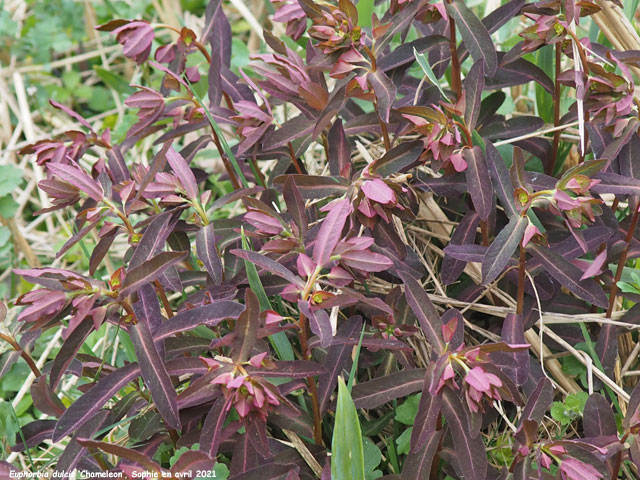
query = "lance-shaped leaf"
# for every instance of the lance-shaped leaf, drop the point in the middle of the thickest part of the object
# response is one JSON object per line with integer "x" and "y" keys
{"x": 517, "y": 362}
{"x": 183, "y": 172}
{"x": 598, "y": 419}
{"x": 628, "y": 158}
{"x": 85, "y": 407}
{"x": 246, "y": 331}
{"x": 339, "y": 155}
{"x": 154, "y": 374}
{"x": 569, "y": 276}
{"x": 295, "y": 128}
{"x": 377, "y": 392}
{"x": 539, "y": 401}
{"x": 385, "y": 92}
{"x": 126, "y": 453}
{"x": 501, "y": 179}
{"x": 150, "y": 270}
{"x": 474, "y": 34}
{"x": 147, "y": 308}
{"x": 69, "y": 349}
{"x": 45, "y": 399}
{"x": 34, "y": 432}
{"x": 209, "y": 315}
{"x": 74, "y": 452}
{"x": 398, "y": 158}
{"x": 424, "y": 310}
{"x": 208, "y": 254}
{"x": 331, "y": 231}
{"x": 426, "y": 421}
{"x": 213, "y": 426}
{"x": 192, "y": 461}
{"x": 100, "y": 250}
{"x": 295, "y": 205}
{"x": 473, "y": 86}
{"x": 404, "y": 54}
{"x": 319, "y": 322}
{"x": 153, "y": 239}
{"x": 270, "y": 265}
{"x": 464, "y": 234}
{"x": 500, "y": 251}
{"x": 337, "y": 356}
{"x": 315, "y": 186}
{"x": 420, "y": 465}
{"x": 513, "y": 127}
{"x": 78, "y": 179}
{"x": 607, "y": 347}
{"x": 347, "y": 458}
{"x": 470, "y": 449}
{"x": 478, "y": 181}
{"x": 618, "y": 184}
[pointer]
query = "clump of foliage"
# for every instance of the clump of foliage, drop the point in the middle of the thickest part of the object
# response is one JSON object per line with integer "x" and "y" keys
{"x": 239, "y": 328}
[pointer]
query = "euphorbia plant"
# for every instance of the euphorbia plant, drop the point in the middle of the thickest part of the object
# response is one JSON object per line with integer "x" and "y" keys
{"x": 241, "y": 326}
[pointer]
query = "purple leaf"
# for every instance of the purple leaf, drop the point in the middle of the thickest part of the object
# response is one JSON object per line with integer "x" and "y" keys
{"x": 597, "y": 418}
{"x": 478, "y": 181}
{"x": 155, "y": 374}
{"x": 499, "y": 252}
{"x": 331, "y": 231}
{"x": 403, "y": 54}
{"x": 464, "y": 234}
{"x": 594, "y": 268}
{"x": 424, "y": 310}
{"x": 398, "y": 158}
{"x": 149, "y": 270}
{"x": 193, "y": 461}
{"x": 295, "y": 128}
{"x": 569, "y": 276}
{"x": 183, "y": 172}
{"x": 34, "y": 432}
{"x": 420, "y": 464}
{"x": 474, "y": 34}
{"x": 426, "y": 421}
{"x": 337, "y": 356}
{"x": 366, "y": 261}
{"x": 74, "y": 452}
{"x": 473, "y": 86}
{"x": 208, "y": 254}
{"x": 125, "y": 453}
{"x": 246, "y": 330}
{"x": 539, "y": 401}
{"x": 45, "y": 398}
{"x": 513, "y": 127}
{"x": 501, "y": 180}
{"x": 270, "y": 265}
{"x": 209, "y": 315}
{"x": 470, "y": 449}
{"x": 618, "y": 184}
{"x": 213, "y": 426}
{"x": 295, "y": 205}
{"x": 518, "y": 362}
{"x": 69, "y": 349}
{"x": 518, "y": 72}
{"x": 607, "y": 347}
{"x": 339, "y": 155}
{"x": 312, "y": 186}
{"x": 153, "y": 239}
{"x": 292, "y": 369}
{"x": 318, "y": 322}
{"x": 100, "y": 250}
{"x": 385, "y": 92}
{"x": 377, "y": 392}
{"x": 85, "y": 407}
{"x": 78, "y": 178}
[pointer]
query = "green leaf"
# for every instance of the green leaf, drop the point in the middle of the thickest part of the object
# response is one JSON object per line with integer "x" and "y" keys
{"x": 8, "y": 207}
{"x": 347, "y": 452}
{"x": 10, "y": 178}
{"x": 365, "y": 10}
{"x": 404, "y": 441}
{"x": 372, "y": 458}
{"x": 426, "y": 68}
{"x": 113, "y": 80}
{"x": 544, "y": 100}
{"x": 406, "y": 413}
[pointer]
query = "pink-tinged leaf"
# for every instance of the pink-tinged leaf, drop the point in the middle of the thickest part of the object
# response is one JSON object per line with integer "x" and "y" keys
{"x": 500, "y": 251}
{"x": 569, "y": 276}
{"x": 85, "y": 407}
{"x": 375, "y": 393}
{"x": 71, "y": 113}
{"x": 385, "y": 92}
{"x": 474, "y": 34}
{"x": 478, "y": 181}
{"x": 331, "y": 231}
{"x": 210, "y": 315}
{"x": 247, "y": 325}
{"x": 470, "y": 449}
{"x": 45, "y": 399}
{"x": 183, "y": 172}
{"x": 595, "y": 267}
{"x": 208, "y": 253}
{"x": 337, "y": 356}
{"x": 74, "y": 452}
{"x": 424, "y": 310}
{"x": 68, "y": 351}
{"x": 319, "y": 322}
{"x": 270, "y": 265}
{"x": 473, "y": 86}
{"x": 500, "y": 179}
{"x": 464, "y": 234}
{"x": 420, "y": 464}
{"x": 574, "y": 469}
{"x": 78, "y": 179}
{"x": 155, "y": 374}
{"x": 339, "y": 156}
{"x": 125, "y": 453}
{"x": 150, "y": 270}
{"x": 366, "y": 261}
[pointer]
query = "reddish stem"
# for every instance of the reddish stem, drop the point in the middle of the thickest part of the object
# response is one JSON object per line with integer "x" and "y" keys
{"x": 27, "y": 358}
{"x": 521, "y": 280}
{"x": 313, "y": 390}
{"x": 623, "y": 258}
{"x": 456, "y": 79}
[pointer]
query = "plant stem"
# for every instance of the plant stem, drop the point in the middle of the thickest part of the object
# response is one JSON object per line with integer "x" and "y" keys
{"x": 313, "y": 390}
{"x": 623, "y": 258}
{"x": 27, "y": 358}
{"x": 556, "y": 113}
{"x": 163, "y": 298}
{"x": 521, "y": 280}
{"x": 294, "y": 160}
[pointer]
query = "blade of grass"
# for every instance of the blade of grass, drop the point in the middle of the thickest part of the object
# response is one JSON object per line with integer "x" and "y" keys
{"x": 347, "y": 451}
{"x": 354, "y": 365}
